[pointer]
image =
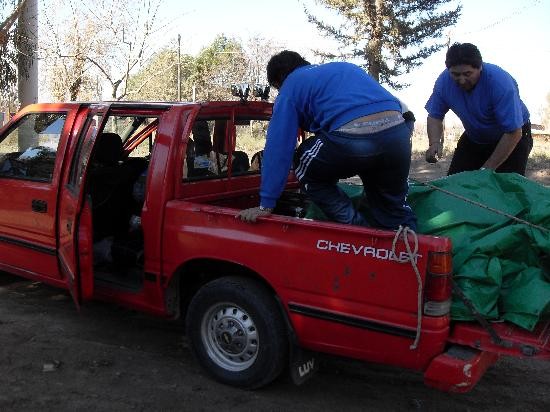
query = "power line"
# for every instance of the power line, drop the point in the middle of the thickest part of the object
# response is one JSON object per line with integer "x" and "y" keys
{"x": 512, "y": 15}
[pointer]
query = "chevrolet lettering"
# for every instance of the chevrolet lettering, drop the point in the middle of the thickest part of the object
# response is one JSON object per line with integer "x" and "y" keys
{"x": 362, "y": 250}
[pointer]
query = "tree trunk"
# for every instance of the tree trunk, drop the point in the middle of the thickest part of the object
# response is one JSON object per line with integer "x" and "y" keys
{"x": 373, "y": 49}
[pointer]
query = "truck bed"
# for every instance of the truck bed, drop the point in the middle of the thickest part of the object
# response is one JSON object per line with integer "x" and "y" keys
{"x": 327, "y": 275}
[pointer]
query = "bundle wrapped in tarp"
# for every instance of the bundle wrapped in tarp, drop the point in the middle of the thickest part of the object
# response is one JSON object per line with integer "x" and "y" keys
{"x": 499, "y": 262}
{"x": 499, "y": 224}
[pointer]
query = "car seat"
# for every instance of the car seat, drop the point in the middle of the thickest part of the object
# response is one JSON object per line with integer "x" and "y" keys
{"x": 110, "y": 187}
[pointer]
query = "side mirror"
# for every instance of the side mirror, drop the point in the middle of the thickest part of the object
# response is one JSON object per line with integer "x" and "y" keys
{"x": 261, "y": 91}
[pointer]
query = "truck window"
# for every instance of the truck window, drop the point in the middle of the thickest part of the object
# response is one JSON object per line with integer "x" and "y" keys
{"x": 29, "y": 149}
{"x": 206, "y": 155}
{"x": 210, "y": 144}
{"x": 131, "y": 128}
{"x": 250, "y": 138}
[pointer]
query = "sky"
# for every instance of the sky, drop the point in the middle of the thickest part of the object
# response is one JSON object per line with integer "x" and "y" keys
{"x": 512, "y": 34}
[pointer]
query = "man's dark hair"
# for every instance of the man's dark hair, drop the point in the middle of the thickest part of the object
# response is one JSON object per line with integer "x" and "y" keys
{"x": 281, "y": 65}
{"x": 463, "y": 53}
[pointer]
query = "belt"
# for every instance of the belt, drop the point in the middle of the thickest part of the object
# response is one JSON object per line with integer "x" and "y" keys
{"x": 374, "y": 123}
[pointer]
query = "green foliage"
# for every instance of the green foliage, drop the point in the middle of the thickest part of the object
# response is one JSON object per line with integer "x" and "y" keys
{"x": 8, "y": 69}
{"x": 211, "y": 73}
{"x": 8, "y": 54}
{"x": 218, "y": 66}
{"x": 390, "y": 37}
{"x": 158, "y": 80}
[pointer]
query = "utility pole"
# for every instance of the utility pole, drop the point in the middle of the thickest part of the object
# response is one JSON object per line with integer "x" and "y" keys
{"x": 179, "y": 68}
{"x": 27, "y": 66}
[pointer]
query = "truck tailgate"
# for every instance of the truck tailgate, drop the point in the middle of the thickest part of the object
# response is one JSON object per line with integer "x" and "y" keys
{"x": 514, "y": 341}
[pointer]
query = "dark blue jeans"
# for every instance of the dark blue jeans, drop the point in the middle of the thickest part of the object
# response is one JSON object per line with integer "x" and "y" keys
{"x": 382, "y": 161}
{"x": 471, "y": 156}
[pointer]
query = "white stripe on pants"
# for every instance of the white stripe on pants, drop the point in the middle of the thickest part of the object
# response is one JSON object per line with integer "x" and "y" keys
{"x": 306, "y": 159}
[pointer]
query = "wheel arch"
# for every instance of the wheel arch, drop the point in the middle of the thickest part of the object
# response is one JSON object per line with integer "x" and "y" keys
{"x": 193, "y": 274}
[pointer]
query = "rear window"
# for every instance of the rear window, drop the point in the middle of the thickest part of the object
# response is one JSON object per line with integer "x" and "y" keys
{"x": 213, "y": 151}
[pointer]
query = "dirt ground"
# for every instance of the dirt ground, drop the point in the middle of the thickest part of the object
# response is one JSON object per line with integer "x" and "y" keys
{"x": 105, "y": 358}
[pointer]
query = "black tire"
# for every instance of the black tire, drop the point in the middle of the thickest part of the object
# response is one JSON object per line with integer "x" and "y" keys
{"x": 237, "y": 332}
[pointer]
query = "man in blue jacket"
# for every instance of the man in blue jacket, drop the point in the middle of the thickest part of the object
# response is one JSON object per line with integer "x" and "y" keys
{"x": 358, "y": 129}
{"x": 486, "y": 98}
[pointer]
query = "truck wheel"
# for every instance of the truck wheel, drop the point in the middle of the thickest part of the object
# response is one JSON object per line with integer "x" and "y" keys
{"x": 237, "y": 332}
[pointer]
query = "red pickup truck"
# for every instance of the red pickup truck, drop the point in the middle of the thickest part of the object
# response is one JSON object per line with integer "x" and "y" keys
{"x": 135, "y": 203}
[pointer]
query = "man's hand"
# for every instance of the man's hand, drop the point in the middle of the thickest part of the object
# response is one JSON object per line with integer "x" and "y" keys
{"x": 504, "y": 149}
{"x": 434, "y": 128}
{"x": 250, "y": 215}
{"x": 434, "y": 152}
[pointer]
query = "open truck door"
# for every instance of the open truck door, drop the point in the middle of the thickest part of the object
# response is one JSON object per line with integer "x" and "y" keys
{"x": 75, "y": 221}
{"x": 33, "y": 153}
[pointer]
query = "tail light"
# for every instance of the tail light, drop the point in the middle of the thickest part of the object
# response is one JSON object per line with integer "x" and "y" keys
{"x": 438, "y": 287}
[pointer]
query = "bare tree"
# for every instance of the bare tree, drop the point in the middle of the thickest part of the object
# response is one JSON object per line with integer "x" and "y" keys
{"x": 259, "y": 50}
{"x": 106, "y": 39}
{"x": 128, "y": 28}
{"x": 68, "y": 71}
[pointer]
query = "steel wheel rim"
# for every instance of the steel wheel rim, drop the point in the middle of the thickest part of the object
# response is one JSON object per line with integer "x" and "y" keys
{"x": 230, "y": 337}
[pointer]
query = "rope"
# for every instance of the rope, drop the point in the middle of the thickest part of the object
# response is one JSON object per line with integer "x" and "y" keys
{"x": 473, "y": 202}
{"x": 405, "y": 231}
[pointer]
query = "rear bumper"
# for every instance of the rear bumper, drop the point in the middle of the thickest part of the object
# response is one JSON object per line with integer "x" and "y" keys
{"x": 458, "y": 369}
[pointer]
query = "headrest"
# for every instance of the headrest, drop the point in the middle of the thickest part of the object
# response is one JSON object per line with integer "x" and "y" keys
{"x": 201, "y": 136}
{"x": 108, "y": 149}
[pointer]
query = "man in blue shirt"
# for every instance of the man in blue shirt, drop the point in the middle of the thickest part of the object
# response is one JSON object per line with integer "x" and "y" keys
{"x": 486, "y": 98}
{"x": 358, "y": 130}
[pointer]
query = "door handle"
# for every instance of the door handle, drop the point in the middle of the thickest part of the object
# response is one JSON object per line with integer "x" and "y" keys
{"x": 40, "y": 206}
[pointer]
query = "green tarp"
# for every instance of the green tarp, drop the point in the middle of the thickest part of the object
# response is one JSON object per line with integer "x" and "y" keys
{"x": 502, "y": 265}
